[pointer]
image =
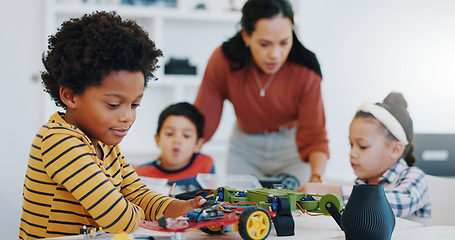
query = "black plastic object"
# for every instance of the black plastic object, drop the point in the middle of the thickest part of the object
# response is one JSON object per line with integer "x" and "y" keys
{"x": 283, "y": 221}
{"x": 162, "y": 221}
{"x": 179, "y": 66}
{"x": 193, "y": 193}
{"x": 367, "y": 214}
{"x": 209, "y": 203}
{"x": 334, "y": 213}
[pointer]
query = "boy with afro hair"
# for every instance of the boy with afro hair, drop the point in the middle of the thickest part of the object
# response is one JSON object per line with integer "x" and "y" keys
{"x": 96, "y": 69}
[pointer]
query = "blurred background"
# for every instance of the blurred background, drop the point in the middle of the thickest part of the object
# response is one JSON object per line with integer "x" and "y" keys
{"x": 366, "y": 49}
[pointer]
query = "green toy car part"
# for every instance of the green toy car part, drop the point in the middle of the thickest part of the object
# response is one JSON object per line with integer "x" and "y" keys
{"x": 263, "y": 197}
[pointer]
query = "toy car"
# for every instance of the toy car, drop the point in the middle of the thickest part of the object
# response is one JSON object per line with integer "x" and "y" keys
{"x": 282, "y": 202}
{"x": 249, "y": 212}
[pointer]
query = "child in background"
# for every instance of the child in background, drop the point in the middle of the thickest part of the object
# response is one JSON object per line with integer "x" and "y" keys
{"x": 381, "y": 138}
{"x": 179, "y": 136}
{"x": 96, "y": 68}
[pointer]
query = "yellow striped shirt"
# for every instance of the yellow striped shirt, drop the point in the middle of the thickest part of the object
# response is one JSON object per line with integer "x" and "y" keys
{"x": 67, "y": 186}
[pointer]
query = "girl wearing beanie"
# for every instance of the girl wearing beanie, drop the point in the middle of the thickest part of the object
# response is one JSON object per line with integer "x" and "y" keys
{"x": 381, "y": 138}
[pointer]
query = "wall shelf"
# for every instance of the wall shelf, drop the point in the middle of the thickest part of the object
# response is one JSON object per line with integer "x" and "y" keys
{"x": 153, "y": 12}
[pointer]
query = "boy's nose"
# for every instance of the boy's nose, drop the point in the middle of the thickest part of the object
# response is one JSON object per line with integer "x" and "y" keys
{"x": 177, "y": 138}
{"x": 127, "y": 115}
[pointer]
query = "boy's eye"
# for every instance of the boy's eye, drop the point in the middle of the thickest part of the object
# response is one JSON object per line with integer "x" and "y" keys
{"x": 135, "y": 105}
{"x": 112, "y": 105}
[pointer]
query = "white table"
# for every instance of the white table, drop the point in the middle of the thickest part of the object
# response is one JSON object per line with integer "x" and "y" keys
{"x": 314, "y": 228}
{"x": 308, "y": 227}
{"x": 425, "y": 233}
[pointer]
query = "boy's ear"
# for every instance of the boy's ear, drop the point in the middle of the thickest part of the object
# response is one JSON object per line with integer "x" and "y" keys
{"x": 157, "y": 140}
{"x": 397, "y": 150}
{"x": 68, "y": 97}
{"x": 198, "y": 146}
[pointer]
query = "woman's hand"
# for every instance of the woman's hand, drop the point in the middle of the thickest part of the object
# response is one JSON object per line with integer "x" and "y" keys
{"x": 179, "y": 207}
{"x": 315, "y": 178}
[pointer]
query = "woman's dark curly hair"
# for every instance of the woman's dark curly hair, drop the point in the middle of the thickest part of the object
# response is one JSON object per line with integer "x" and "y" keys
{"x": 85, "y": 50}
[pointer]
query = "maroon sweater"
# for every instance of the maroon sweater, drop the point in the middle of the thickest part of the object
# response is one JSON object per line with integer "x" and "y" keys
{"x": 293, "y": 99}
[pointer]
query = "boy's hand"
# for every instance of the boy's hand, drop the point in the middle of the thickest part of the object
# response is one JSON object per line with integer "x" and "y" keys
{"x": 195, "y": 203}
{"x": 179, "y": 207}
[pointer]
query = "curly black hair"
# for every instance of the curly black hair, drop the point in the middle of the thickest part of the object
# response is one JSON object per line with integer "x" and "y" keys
{"x": 86, "y": 49}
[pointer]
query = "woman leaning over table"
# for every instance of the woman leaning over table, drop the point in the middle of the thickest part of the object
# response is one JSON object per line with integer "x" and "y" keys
{"x": 274, "y": 84}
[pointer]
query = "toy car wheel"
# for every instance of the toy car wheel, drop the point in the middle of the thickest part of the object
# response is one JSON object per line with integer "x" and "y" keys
{"x": 254, "y": 223}
{"x": 334, "y": 199}
{"x": 213, "y": 230}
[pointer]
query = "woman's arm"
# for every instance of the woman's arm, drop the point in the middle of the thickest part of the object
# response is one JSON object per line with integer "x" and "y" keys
{"x": 311, "y": 135}
{"x": 210, "y": 98}
{"x": 318, "y": 162}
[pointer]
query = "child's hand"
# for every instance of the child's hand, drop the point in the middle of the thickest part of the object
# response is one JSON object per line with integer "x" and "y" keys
{"x": 310, "y": 188}
{"x": 179, "y": 207}
{"x": 319, "y": 188}
{"x": 195, "y": 202}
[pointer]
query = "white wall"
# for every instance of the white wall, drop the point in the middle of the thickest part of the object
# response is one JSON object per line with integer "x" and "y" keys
{"x": 366, "y": 49}
{"x": 21, "y": 43}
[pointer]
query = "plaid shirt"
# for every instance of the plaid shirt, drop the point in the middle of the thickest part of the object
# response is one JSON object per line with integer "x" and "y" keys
{"x": 406, "y": 190}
